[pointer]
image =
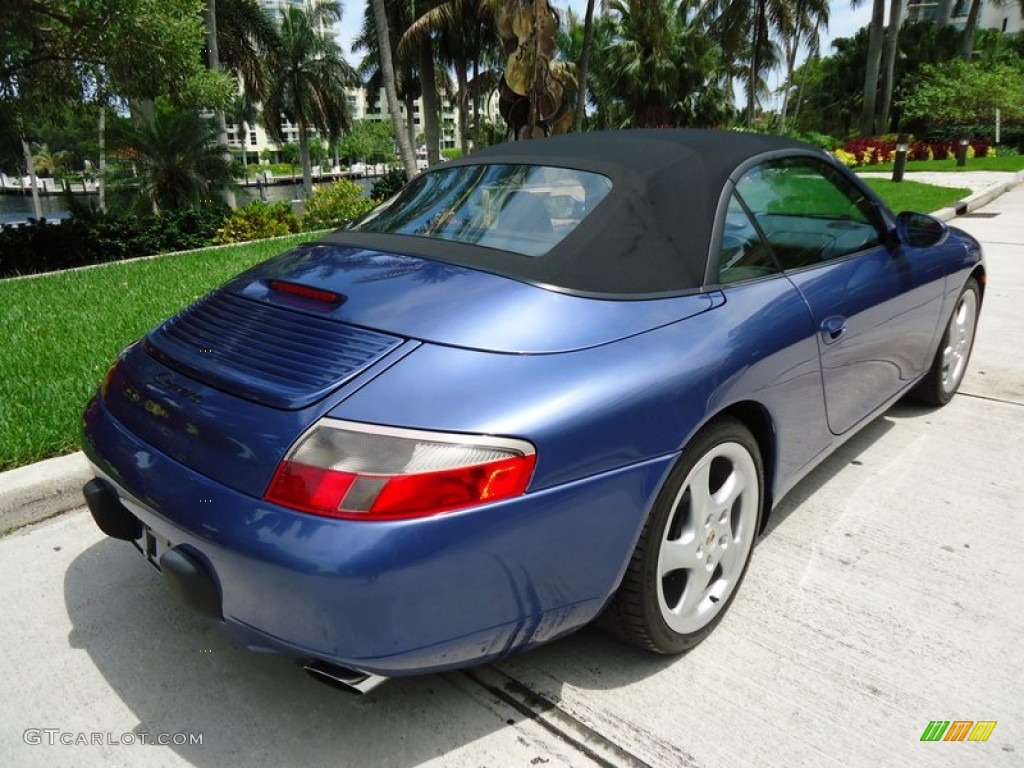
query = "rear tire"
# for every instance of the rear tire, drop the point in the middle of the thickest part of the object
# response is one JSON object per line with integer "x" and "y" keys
{"x": 694, "y": 549}
{"x": 950, "y": 362}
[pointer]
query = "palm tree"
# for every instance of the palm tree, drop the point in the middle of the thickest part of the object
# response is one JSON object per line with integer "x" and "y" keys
{"x": 421, "y": 35}
{"x": 409, "y": 80}
{"x": 745, "y": 29}
{"x": 658, "y": 61}
{"x": 213, "y": 62}
{"x": 246, "y": 40}
{"x": 971, "y": 26}
{"x": 464, "y": 34}
{"x": 643, "y": 56}
{"x": 892, "y": 34}
{"x": 802, "y": 26}
{"x": 177, "y": 157}
{"x": 308, "y": 77}
{"x": 588, "y": 42}
{"x": 871, "y": 70}
{"x": 387, "y": 68}
{"x": 239, "y": 37}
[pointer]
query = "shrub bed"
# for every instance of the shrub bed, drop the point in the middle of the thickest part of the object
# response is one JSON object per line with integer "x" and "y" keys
{"x": 882, "y": 150}
{"x": 257, "y": 221}
{"x": 92, "y": 237}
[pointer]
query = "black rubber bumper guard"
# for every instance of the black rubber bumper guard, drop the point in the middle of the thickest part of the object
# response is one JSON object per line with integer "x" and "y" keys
{"x": 186, "y": 576}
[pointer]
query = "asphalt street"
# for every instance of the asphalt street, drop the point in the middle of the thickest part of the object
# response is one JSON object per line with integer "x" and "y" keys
{"x": 887, "y": 593}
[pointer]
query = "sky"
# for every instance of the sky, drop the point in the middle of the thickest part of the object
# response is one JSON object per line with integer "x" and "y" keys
{"x": 844, "y": 22}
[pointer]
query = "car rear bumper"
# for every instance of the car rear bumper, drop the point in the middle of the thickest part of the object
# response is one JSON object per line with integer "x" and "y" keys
{"x": 388, "y": 597}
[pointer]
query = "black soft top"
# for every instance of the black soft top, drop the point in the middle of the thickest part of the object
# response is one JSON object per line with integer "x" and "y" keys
{"x": 650, "y": 236}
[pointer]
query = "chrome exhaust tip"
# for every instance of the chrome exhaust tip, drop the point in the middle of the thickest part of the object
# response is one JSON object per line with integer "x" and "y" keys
{"x": 341, "y": 678}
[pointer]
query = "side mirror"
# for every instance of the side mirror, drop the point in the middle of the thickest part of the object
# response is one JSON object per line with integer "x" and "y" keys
{"x": 920, "y": 230}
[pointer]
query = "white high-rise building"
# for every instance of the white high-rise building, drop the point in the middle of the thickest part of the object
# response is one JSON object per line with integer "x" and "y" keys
{"x": 1007, "y": 17}
{"x": 254, "y": 141}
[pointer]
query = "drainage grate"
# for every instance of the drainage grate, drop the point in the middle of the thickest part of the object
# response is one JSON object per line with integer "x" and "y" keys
{"x": 977, "y": 215}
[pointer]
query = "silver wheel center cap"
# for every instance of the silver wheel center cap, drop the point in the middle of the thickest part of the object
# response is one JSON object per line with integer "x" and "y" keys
{"x": 709, "y": 540}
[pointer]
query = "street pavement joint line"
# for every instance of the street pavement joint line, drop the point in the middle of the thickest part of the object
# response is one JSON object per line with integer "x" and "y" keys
{"x": 551, "y": 717}
{"x": 991, "y": 399}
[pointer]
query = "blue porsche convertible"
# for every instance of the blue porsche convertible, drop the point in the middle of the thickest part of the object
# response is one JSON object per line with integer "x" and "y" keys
{"x": 553, "y": 381}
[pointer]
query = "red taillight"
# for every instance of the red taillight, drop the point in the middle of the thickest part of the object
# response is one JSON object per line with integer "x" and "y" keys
{"x": 305, "y": 291}
{"x": 340, "y": 469}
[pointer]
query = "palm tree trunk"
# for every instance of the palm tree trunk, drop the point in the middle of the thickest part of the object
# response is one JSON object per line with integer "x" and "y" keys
{"x": 428, "y": 76}
{"x": 759, "y": 21}
{"x": 101, "y": 183}
{"x": 387, "y": 68}
{"x": 867, "y": 114}
{"x": 476, "y": 96}
{"x": 30, "y": 166}
{"x": 244, "y": 127}
{"x": 791, "y": 50}
{"x": 799, "y": 99}
{"x": 588, "y": 42}
{"x": 307, "y": 165}
{"x": 970, "y": 28}
{"x": 461, "y": 79}
{"x": 889, "y": 61}
{"x": 227, "y": 194}
{"x": 410, "y": 119}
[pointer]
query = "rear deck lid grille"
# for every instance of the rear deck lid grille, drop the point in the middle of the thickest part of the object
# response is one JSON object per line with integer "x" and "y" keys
{"x": 265, "y": 353}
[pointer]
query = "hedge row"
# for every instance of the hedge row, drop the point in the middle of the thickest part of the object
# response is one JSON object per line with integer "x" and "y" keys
{"x": 92, "y": 237}
{"x": 881, "y": 150}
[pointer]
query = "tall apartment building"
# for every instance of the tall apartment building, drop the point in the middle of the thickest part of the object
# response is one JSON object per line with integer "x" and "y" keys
{"x": 363, "y": 105}
{"x": 1007, "y": 17}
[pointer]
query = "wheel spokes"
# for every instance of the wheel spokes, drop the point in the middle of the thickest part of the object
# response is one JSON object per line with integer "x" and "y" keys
{"x": 696, "y": 585}
{"x": 678, "y": 555}
{"x": 959, "y": 337}
{"x": 705, "y": 542}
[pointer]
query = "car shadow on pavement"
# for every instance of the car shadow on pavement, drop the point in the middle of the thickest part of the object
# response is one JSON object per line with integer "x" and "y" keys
{"x": 593, "y": 660}
{"x": 843, "y": 457}
{"x": 180, "y": 674}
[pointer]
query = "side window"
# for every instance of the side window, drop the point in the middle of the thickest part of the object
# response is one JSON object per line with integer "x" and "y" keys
{"x": 809, "y": 212}
{"x": 744, "y": 255}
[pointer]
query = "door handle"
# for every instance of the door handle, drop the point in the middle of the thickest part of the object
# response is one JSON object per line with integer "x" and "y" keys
{"x": 833, "y": 329}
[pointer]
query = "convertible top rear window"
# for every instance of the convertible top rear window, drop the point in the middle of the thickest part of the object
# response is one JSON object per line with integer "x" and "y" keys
{"x": 626, "y": 214}
{"x": 525, "y": 209}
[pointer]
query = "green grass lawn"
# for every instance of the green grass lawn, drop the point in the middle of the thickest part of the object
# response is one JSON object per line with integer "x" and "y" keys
{"x": 914, "y": 196}
{"x": 1003, "y": 163}
{"x": 61, "y": 331}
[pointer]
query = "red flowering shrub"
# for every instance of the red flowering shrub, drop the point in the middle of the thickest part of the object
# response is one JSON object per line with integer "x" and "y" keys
{"x": 919, "y": 151}
{"x": 942, "y": 150}
{"x": 871, "y": 151}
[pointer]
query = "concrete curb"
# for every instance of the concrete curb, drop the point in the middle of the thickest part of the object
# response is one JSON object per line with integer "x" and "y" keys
{"x": 976, "y": 200}
{"x": 38, "y": 491}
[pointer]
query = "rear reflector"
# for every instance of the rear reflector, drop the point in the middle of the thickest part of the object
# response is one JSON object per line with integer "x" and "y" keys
{"x": 366, "y": 472}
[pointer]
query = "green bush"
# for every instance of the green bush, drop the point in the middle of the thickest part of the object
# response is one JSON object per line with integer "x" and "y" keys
{"x": 332, "y": 205}
{"x": 820, "y": 140}
{"x": 256, "y": 221}
{"x": 454, "y": 153}
{"x": 93, "y": 237}
{"x": 388, "y": 184}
